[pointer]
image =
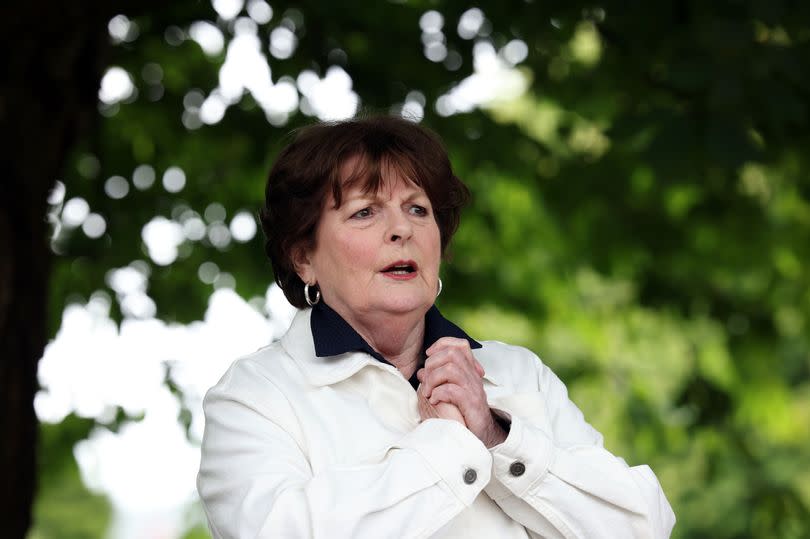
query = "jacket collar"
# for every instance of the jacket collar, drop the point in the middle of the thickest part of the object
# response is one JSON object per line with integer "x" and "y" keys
{"x": 329, "y": 350}
{"x": 332, "y": 335}
{"x": 298, "y": 343}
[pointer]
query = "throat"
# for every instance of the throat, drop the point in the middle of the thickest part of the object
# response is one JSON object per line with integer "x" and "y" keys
{"x": 398, "y": 339}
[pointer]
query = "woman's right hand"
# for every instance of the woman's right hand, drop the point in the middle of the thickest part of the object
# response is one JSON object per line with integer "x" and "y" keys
{"x": 441, "y": 410}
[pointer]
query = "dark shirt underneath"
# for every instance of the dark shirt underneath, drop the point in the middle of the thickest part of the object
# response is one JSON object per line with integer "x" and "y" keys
{"x": 334, "y": 336}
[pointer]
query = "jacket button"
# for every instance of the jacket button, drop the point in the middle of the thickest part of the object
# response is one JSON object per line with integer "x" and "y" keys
{"x": 470, "y": 476}
{"x": 517, "y": 468}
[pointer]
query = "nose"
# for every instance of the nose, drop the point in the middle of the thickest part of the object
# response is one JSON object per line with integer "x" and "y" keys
{"x": 400, "y": 229}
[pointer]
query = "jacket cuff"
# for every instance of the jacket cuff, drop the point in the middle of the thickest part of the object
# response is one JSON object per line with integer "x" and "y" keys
{"x": 520, "y": 462}
{"x": 455, "y": 455}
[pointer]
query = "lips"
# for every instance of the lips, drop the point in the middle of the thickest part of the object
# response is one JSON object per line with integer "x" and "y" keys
{"x": 401, "y": 268}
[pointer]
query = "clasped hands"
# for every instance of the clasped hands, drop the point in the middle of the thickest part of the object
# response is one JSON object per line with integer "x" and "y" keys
{"x": 452, "y": 388}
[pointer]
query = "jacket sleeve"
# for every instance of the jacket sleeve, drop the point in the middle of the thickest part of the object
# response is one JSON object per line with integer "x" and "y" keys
{"x": 553, "y": 475}
{"x": 255, "y": 480}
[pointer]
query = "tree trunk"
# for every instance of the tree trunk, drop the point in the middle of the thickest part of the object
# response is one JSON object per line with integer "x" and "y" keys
{"x": 54, "y": 53}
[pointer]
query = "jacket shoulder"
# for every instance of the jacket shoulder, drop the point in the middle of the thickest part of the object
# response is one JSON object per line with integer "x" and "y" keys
{"x": 258, "y": 372}
{"x": 510, "y": 365}
{"x": 257, "y": 385}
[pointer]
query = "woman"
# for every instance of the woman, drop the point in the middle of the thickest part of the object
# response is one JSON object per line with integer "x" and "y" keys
{"x": 374, "y": 416}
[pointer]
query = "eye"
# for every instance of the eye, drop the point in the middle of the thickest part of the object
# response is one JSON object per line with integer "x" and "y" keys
{"x": 418, "y": 210}
{"x": 362, "y": 214}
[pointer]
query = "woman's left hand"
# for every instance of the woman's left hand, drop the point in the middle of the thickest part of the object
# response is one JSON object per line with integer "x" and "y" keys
{"x": 452, "y": 374}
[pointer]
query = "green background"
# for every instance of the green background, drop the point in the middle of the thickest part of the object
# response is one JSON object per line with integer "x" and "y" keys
{"x": 640, "y": 219}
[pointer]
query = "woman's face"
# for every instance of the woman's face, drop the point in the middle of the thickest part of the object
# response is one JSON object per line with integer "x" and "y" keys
{"x": 378, "y": 252}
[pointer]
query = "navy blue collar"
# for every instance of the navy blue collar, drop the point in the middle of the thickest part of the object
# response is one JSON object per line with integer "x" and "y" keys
{"x": 333, "y": 336}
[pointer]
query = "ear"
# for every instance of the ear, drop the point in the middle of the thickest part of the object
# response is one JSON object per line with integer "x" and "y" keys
{"x": 303, "y": 265}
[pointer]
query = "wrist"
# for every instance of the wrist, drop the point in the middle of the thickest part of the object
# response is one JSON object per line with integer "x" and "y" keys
{"x": 497, "y": 433}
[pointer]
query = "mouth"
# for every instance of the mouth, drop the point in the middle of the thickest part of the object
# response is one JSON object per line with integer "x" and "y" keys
{"x": 401, "y": 268}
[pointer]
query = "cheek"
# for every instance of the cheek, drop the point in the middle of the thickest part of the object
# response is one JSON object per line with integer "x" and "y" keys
{"x": 354, "y": 250}
{"x": 434, "y": 245}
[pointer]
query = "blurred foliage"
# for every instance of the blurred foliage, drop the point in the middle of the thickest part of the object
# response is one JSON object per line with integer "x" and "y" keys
{"x": 64, "y": 508}
{"x": 641, "y": 218}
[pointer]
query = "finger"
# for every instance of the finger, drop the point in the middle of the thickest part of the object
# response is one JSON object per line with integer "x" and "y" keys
{"x": 426, "y": 410}
{"x": 473, "y": 407}
{"x": 444, "y": 342}
{"x": 438, "y": 359}
{"x": 472, "y": 371}
{"x": 420, "y": 374}
{"x": 447, "y": 373}
{"x": 445, "y": 410}
{"x": 449, "y": 354}
{"x": 462, "y": 345}
{"x": 450, "y": 393}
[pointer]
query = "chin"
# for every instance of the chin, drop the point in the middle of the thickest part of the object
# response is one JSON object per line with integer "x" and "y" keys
{"x": 396, "y": 303}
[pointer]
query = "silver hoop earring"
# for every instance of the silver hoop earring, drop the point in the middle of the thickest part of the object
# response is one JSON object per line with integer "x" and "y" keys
{"x": 440, "y": 288}
{"x": 310, "y": 302}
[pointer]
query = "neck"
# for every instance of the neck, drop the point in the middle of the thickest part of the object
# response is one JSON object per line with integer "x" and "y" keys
{"x": 397, "y": 336}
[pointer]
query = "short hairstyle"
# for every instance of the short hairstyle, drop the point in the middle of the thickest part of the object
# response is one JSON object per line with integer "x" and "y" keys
{"x": 310, "y": 166}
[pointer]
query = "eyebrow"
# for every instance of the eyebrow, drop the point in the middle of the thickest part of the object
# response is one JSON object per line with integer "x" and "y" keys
{"x": 359, "y": 194}
{"x": 416, "y": 194}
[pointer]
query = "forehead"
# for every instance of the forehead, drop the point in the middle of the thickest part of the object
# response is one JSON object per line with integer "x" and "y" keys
{"x": 360, "y": 175}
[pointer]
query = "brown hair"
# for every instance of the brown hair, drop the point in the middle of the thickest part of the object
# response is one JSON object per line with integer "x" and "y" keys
{"x": 306, "y": 169}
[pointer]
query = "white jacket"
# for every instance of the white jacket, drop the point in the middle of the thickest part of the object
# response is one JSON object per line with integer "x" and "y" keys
{"x": 301, "y": 446}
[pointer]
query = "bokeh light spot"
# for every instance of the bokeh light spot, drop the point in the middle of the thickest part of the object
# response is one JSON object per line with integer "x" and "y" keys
{"x": 57, "y": 193}
{"x": 431, "y": 22}
{"x": 330, "y": 98}
{"x": 207, "y": 272}
{"x": 94, "y": 226}
{"x": 174, "y": 179}
{"x": 162, "y": 237}
{"x": 470, "y": 23}
{"x": 260, "y": 11}
{"x": 194, "y": 228}
{"x": 213, "y": 108}
{"x": 282, "y": 42}
{"x": 215, "y": 212}
{"x": 243, "y": 227}
{"x": 219, "y": 235}
{"x": 75, "y": 212}
{"x": 122, "y": 29}
{"x": 515, "y": 51}
{"x": 208, "y": 36}
{"x": 225, "y": 280}
{"x": 116, "y": 187}
{"x": 116, "y": 86}
{"x": 436, "y": 51}
{"x": 227, "y": 9}
{"x": 143, "y": 177}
